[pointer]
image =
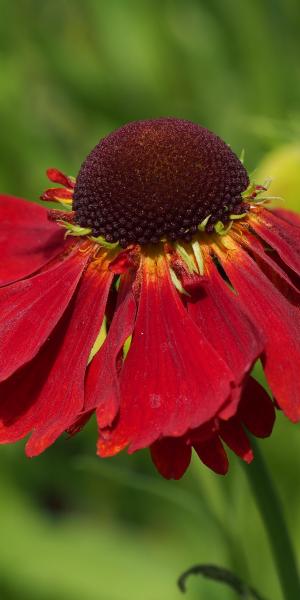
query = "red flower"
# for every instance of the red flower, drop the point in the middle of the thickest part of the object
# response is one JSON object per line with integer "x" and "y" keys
{"x": 146, "y": 299}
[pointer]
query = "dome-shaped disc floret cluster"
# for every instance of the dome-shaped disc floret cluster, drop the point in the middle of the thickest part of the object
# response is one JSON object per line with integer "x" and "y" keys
{"x": 157, "y": 179}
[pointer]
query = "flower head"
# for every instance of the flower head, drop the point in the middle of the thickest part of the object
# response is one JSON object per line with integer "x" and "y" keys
{"x": 146, "y": 298}
{"x": 158, "y": 178}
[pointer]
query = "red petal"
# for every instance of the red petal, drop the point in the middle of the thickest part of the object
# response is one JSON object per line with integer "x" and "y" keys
{"x": 256, "y": 409}
{"x": 288, "y": 215}
{"x": 21, "y": 392}
{"x": 172, "y": 378}
{"x": 171, "y": 457}
{"x": 27, "y": 239}
{"x": 213, "y": 455}
{"x": 102, "y": 382}
{"x": 62, "y": 396}
{"x": 58, "y": 177}
{"x": 57, "y": 194}
{"x": 278, "y": 319}
{"x": 123, "y": 262}
{"x": 236, "y": 439}
{"x": 280, "y": 235}
{"x": 231, "y": 406}
{"x": 269, "y": 264}
{"x": 30, "y": 309}
{"x": 79, "y": 423}
{"x": 219, "y": 316}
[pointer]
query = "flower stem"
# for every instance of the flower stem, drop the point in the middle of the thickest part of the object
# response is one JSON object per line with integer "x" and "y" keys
{"x": 271, "y": 511}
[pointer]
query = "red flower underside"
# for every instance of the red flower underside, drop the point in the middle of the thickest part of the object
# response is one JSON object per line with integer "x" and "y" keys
{"x": 28, "y": 240}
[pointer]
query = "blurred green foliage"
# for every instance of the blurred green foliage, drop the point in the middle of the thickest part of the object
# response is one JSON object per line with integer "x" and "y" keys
{"x": 73, "y": 526}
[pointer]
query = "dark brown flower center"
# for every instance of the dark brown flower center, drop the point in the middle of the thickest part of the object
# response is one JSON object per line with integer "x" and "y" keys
{"x": 158, "y": 179}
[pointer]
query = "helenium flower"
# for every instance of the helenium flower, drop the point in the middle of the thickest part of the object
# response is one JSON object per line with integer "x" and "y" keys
{"x": 146, "y": 298}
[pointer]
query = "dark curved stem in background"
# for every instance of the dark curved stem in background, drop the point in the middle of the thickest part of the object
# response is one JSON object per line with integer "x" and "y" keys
{"x": 222, "y": 576}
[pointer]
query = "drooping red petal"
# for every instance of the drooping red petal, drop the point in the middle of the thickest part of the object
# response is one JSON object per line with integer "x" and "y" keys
{"x": 256, "y": 409}
{"x": 278, "y": 319}
{"x": 171, "y": 457}
{"x": 28, "y": 240}
{"x": 102, "y": 382}
{"x": 269, "y": 264}
{"x": 288, "y": 215}
{"x": 30, "y": 309}
{"x": 213, "y": 455}
{"x": 172, "y": 379}
{"x": 21, "y": 392}
{"x": 280, "y": 235}
{"x": 219, "y": 315}
{"x": 233, "y": 434}
{"x": 62, "y": 396}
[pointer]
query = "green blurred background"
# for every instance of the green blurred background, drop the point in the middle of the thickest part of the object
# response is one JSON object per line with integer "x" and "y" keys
{"x": 73, "y": 526}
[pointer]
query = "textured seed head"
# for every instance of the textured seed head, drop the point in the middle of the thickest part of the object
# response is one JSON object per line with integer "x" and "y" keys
{"x": 158, "y": 179}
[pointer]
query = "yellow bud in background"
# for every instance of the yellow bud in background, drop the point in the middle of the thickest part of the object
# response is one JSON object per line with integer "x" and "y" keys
{"x": 282, "y": 165}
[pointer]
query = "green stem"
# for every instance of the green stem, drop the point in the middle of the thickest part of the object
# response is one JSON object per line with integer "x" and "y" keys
{"x": 272, "y": 515}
